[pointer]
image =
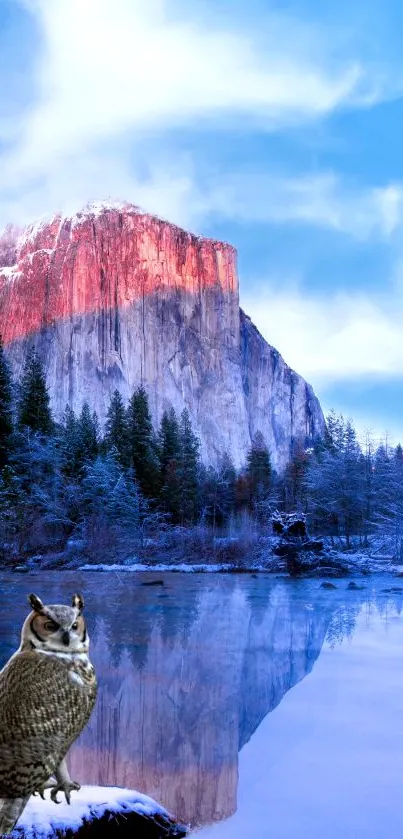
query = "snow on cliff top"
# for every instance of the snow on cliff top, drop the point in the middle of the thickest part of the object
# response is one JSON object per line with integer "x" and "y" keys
{"x": 95, "y": 209}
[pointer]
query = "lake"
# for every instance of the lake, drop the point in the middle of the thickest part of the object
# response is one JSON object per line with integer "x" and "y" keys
{"x": 248, "y": 706}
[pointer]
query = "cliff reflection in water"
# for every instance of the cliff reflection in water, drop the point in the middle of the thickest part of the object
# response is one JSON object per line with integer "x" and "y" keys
{"x": 187, "y": 672}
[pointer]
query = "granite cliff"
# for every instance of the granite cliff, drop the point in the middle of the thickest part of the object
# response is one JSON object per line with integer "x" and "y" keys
{"x": 113, "y": 297}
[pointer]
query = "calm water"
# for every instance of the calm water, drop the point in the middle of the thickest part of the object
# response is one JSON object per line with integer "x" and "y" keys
{"x": 248, "y": 706}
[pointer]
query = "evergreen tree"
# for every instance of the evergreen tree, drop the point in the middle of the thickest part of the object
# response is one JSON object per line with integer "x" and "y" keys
{"x": 170, "y": 458}
{"x": 336, "y": 486}
{"x": 6, "y": 417}
{"x": 112, "y": 509}
{"x": 189, "y": 470}
{"x": 369, "y": 489}
{"x": 79, "y": 440}
{"x": 35, "y": 515}
{"x": 292, "y": 483}
{"x": 143, "y": 445}
{"x": 70, "y": 443}
{"x": 258, "y": 471}
{"x": 33, "y": 408}
{"x": 334, "y": 432}
{"x": 88, "y": 430}
{"x": 116, "y": 431}
{"x": 169, "y": 439}
{"x": 398, "y": 456}
{"x": 218, "y": 491}
{"x": 108, "y": 493}
{"x": 351, "y": 502}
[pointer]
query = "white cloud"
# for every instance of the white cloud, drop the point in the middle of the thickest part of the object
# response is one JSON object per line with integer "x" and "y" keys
{"x": 332, "y": 337}
{"x": 109, "y": 68}
{"x": 322, "y": 200}
{"x": 166, "y": 189}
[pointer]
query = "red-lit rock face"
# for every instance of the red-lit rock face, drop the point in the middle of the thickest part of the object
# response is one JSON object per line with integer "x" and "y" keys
{"x": 112, "y": 298}
{"x": 102, "y": 260}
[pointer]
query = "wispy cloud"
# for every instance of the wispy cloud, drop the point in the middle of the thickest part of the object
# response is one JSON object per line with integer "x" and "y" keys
{"x": 109, "y": 69}
{"x": 331, "y": 337}
{"x": 320, "y": 200}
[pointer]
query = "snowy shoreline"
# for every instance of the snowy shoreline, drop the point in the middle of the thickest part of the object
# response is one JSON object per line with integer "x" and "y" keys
{"x": 359, "y": 564}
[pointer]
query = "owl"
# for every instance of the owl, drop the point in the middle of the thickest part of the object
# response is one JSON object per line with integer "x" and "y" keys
{"x": 47, "y": 692}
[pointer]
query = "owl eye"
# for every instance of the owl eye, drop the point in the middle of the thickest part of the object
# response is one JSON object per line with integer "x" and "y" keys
{"x": 74, "y": 625}
{"x": 51, "y": 626}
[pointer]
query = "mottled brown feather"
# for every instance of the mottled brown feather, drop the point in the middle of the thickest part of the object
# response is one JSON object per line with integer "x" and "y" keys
{"x": 43, "y": 709}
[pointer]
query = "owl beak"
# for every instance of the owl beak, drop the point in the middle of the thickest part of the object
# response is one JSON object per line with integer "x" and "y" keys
{"x": 66, "y": 638}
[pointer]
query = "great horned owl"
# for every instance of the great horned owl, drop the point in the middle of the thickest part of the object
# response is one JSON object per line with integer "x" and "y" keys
{"x": 47, "y": 692}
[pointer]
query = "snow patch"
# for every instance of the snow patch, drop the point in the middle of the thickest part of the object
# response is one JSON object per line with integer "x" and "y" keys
{"x": 41, "y": 818}
{"x": 97, "y": 208}
{"x": 182, "y": 567}
{"x": 11, "y": 273}
{"x": 31, "y": 232}
{"x": 30, "y": 256}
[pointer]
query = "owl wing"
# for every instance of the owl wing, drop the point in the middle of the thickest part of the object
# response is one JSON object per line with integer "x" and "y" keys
{"x": 41, "y": 712}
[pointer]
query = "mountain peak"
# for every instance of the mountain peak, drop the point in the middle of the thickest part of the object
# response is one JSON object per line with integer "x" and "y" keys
{"x": 113, "y": 297}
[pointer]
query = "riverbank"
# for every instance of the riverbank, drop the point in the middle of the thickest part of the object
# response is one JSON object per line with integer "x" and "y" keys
{"x": 198, "y": 549}
{"x": 335, "y": 566}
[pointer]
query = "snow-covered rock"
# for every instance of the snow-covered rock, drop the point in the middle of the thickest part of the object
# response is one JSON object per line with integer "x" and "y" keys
{"x": 94, "y": 807}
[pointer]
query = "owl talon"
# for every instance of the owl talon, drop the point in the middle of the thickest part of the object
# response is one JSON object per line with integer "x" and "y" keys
{"x": 65, "y": 787}
{"x": 48, "y": 785}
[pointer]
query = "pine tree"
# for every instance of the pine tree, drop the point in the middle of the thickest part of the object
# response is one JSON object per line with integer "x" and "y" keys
{"x": 218, "y": 491}
{"x": 258, "y": 471}
{"x": 398, "y": 456}
{"x": 108, "y": 492}
{"x": 6, "y": 417}
{"x": 292, "y": 483}
{"x": 143, "y": 445}
{"x": 169, "y": 439}
{"x": 334, "y": 431}
{"x": 189, "y": 470}
{"x": 69, "y": 443}
{"x": 169, "y": 457}
{"x": 383, "y": 475}
{"x": 33, "y": 409}
{"x": 116, "y": 431}
{"x": 88, "y": 432}
{"x": 79, "y": 440}
{"x": 336, "y": 486}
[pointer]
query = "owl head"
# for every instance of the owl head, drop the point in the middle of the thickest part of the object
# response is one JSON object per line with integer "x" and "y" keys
{"x": 57, "y": 628}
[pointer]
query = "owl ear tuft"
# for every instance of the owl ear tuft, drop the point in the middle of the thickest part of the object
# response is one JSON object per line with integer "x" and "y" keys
{"x": 78, "y": 602}
{"x": 36, "y": 603}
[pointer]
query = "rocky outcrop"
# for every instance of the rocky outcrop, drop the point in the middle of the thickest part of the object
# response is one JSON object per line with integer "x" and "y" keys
{"x": 113, "y": 297}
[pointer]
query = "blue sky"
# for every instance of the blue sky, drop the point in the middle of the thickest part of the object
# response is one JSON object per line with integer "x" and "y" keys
{"x": 274, "y": 126}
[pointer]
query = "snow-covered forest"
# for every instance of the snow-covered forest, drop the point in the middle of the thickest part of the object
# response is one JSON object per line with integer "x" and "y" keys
{"x": 68, "y": 490}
